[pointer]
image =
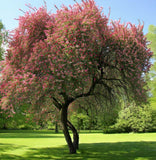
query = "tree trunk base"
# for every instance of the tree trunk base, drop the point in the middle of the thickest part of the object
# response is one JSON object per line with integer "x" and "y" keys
{"x": 65, "y": 123}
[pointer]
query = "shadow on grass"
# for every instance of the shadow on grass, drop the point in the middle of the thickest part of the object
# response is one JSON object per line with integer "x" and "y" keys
{"x": 95, "y": 151}
{"x": 37, "y": 133}
{"x": 7, "y": 147}
{"x": 28, "y": 131}
{"x": 29, "y": 134}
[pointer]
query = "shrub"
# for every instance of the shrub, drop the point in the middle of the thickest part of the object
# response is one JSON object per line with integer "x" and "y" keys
{"x": 134, "y": 119}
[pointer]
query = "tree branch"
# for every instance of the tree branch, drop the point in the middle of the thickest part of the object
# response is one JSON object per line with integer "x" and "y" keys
{"x": 56, "y": 103}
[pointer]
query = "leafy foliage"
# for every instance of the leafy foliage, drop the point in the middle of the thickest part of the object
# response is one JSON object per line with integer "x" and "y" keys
{"x": 92, "y": 113}
{"x": 151, "y": 36}
{"x": 135, "y": 119}
{"x": 3, "y": 40}
{"x": 80, "y": 121}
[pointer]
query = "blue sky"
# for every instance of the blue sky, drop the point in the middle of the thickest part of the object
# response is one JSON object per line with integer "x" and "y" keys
{"x": 126, "y": 10}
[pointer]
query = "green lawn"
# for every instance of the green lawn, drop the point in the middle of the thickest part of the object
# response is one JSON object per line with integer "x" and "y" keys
{"x": 44, "y": 145}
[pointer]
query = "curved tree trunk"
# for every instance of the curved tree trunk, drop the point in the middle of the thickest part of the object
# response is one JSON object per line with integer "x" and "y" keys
{"x": 75, "y": 135}
{"x": 72, "y": 148}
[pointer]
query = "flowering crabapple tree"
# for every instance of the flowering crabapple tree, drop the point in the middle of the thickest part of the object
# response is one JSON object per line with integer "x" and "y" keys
{"x": 71, "y": 54}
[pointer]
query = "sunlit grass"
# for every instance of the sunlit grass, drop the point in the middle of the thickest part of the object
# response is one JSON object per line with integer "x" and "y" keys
{"x": 42, "y": 145}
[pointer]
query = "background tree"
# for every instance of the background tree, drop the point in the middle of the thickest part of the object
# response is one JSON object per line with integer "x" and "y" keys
{"x": 3, "y": 40}
{"x": 71, "y": 54}
{"x": 151, "y": 36}
{"x": 92, "y": 113}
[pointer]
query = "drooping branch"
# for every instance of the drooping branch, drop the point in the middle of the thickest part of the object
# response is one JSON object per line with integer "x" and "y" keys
{"x": 90, "y": 92}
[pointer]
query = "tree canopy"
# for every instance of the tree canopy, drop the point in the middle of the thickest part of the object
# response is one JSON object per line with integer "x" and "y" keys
{"x": 73, "y": 53}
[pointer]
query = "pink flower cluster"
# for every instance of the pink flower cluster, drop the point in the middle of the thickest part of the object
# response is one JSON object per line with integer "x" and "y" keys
{"x": 63, "y": 52}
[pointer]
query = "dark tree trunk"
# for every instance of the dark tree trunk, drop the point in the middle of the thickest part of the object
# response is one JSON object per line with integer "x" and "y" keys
{"x": 72, "y": 148}
{"x": 56, "y": 127}
{"x": 4, "y": 125}
{"x": 75, "y": 135}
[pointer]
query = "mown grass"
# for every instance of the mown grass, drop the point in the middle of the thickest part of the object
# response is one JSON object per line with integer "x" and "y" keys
{"x": 46, "y": 145}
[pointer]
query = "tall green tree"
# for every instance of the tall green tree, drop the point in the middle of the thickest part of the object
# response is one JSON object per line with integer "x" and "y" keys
{"x": 71, "y": 54}
{"x": 151, "y": 36}
{"x": 1, "y": 58}
{"x": 2, "y": 40}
